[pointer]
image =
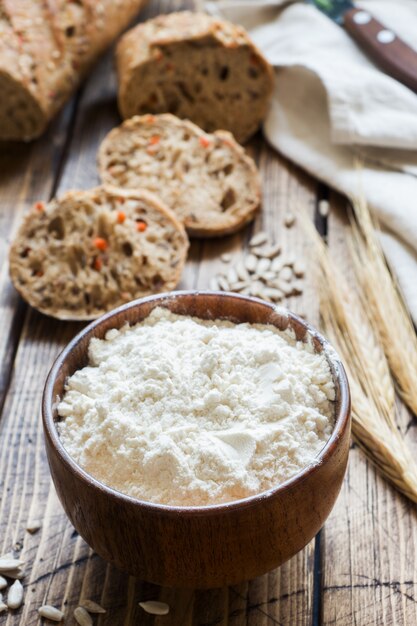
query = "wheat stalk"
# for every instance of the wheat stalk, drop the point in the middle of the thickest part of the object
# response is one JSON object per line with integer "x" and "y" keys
{"x": 373, "y": 398}
{"x": 391, "y": 318}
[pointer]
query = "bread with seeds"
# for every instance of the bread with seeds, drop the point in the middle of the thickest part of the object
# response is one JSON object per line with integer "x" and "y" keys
{"x": 87, "y": 252}
{"x": 46, "y": 48}
{"x": 208, "y": 180}
{"x": 198, "y": 67}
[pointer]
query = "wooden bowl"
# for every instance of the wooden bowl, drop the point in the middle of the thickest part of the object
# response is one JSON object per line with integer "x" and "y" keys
{"x": 208, "y": 546}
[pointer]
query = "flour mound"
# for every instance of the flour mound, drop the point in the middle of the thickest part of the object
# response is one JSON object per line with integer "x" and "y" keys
{"x": 181, "y": 411}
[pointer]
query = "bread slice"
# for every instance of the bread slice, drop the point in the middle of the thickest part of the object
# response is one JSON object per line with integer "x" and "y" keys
{"x": 46, "y": 48}
{"x": 89, "y": 251}
{"x": 206, "y": 179}
{"x": 199, "y": 68}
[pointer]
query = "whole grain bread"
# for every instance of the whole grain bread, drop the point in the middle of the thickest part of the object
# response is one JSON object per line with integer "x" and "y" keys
{"x": 89, "y": 251}
{"x": 45, "y": 49}
{"x": 208, "y": 180}
{"x": 198, "y": 67}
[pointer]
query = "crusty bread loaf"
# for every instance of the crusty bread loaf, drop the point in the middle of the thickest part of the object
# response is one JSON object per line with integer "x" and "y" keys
{"x": 45, "y": 49}
{"x": 208, "y": 180}
{"x": 199, "y": 68}
{"x": 89, "y": 251}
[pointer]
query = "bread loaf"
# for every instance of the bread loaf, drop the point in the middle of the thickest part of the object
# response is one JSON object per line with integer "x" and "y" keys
{"x": 197, "y": 67}
{"x": 89, "y": 251}
{"x": 45, "y": 49}
{"x": 208, "y": 180}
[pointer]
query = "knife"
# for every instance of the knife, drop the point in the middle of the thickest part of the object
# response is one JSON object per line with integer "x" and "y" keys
{"x": 380, "y": 43}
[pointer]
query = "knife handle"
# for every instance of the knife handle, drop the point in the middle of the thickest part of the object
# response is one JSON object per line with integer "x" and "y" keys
{"x": 390, "y": 52}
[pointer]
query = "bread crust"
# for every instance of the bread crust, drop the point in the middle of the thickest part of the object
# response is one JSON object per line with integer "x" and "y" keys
{"x": 208, "y": 180}
{"x": 87, "y": 252}
{"x": 149, "y": 56}
{"x": 46, "y": 48}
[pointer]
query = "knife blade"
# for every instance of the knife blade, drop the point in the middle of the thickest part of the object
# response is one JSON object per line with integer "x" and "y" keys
{"x": 378, "y": 41}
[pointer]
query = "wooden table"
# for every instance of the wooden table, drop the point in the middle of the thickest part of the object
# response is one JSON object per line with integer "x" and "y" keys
{"x": 360, "y": 569}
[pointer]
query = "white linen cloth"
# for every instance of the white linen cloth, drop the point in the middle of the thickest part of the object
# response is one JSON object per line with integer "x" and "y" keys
{"x": 332, "y": 104}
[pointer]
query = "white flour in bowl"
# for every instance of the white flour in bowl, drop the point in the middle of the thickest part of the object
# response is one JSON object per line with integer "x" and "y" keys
{"x": 187, "y": 412}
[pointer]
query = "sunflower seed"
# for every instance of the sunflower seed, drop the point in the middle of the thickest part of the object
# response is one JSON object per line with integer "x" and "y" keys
{"x": 277, "y": 264}
{"x": 3, "y": 583}
{"x": 250, "y": 262}
{"x": 239, "y": 285}
{"x": 269, "y": 275}
{"x": 213, "y": 284}
{"x": 283, "y": 286}
{"x": 82, "y": 617}
{"x": 324, "y": 208}
{"x": 50, "y": 612}
{"x": 256, "y": 289}
{"x": 232, "y": 276}
{"x": 297, "y": 288}
{"x": 267, "y": 252}
{"x": 223, "y": 284}
{"x": 33, "y": 527}
{"x": 289, "y": 220}
{"x": 1, "y": 597}
{"x": 3, "y": 607}
{"x": 16, "y": 573}
{"x": 154, "y": 607}
{"x": 241, "y": 271}
{"x": 7, "y": 564}
{"x": 92, "y": 607}
{"x": 275, "y": 295}
{"x": 262, "y": 266}
{"x": 285, "y": 274}
{"x": 226, "y": 257}
{"x": 258, "y": 239}
{"x": 15, "y": 595}
{"x": 299, "y": 269}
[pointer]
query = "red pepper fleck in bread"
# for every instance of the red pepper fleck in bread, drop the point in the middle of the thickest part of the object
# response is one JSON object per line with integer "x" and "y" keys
{"x": 208, "y": 180}
{"x": 87, "y": 252}
{"x": 45, "y": 49}
{"x": 199, "y": 68}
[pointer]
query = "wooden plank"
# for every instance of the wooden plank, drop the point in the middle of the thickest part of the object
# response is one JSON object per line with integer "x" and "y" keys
{"x": 27, "y": 174}
{"x": 370, "y": 547}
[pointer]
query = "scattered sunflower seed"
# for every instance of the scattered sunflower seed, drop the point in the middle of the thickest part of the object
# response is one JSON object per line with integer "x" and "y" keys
{"x": 50, "y": 612}
{"x": 297, "y": 288}
{"x": 92, "y": 607}
{"x": 268, "y": 275}
{"x": 273, "y": 294}
{"x": 9, "y": 564}
{"x": 258, "y": 239}
{"x": 15, "y": 595}
{"x": 289, "y": 220}
{"x": 239, "y": 285}
{"x": 223, "y": 284}
{"x": 262, "y": 266}
{"x": 3, "y": 583}
{"x": 33, "y": 527}
{"x": 154, "y": 607}
{"x": 299, "y": 269}
{"x": 16, "y": 573}
{"x": 285, "y": 274}
{"x": 82, "y": 617}
{"x": 226, "y": 257}
{"x": 3, "y": 607}
{"x": 232, "y": 276}
{"x": 277, "y": 264}
{"x": 241, "y": 271}
{"x": 324, "y": 208}
{"x": 250, "y": 262}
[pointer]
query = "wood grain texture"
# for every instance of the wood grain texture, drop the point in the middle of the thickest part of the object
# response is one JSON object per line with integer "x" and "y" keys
{"x": 372, "y": 531}
{"x": 370, "y": 576}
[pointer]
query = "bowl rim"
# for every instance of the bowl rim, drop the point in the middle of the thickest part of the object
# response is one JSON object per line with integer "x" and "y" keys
{"x": 342, "y": 418}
